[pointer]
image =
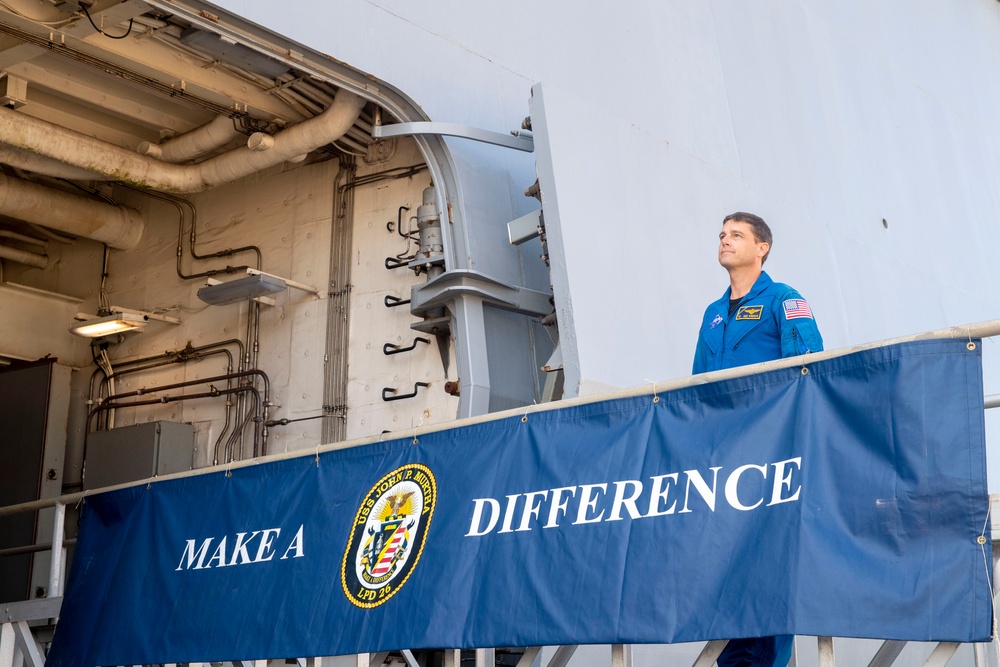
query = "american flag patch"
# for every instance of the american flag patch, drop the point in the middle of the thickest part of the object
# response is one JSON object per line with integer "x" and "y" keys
{"x": 795, "y": 308}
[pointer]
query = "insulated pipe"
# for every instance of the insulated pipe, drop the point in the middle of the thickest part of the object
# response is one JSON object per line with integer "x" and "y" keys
{"x": 24, "y": 257}
{"x": 39, "y": 164}
{"x": 121, "y": 164}
{"x": 117, "y": 226}
{"x": 23, "y": 237}
{"x": 216, "y": 133}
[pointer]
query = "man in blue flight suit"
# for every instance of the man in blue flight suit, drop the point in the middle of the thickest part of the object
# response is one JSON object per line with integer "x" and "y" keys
{"x": 756, "y": 320}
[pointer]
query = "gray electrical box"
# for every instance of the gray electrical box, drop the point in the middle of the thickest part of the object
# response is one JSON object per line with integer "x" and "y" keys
{"x": 137, "y": 452}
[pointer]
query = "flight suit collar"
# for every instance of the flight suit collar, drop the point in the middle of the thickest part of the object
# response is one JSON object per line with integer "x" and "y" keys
{"x": 762, "y": 283}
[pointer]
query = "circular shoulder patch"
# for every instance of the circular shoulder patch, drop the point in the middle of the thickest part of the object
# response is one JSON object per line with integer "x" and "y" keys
{"x": 388, "y": 535}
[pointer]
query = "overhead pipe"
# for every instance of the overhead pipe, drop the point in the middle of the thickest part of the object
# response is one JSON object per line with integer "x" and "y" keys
{"x": 24, "y": 257}
{"x": 216, "y": 133}
{"x": 119, "y": 227}
{"x": 79, "y": 150}
{"x": 24, "y": 238}
{"x": 40, "y": 164}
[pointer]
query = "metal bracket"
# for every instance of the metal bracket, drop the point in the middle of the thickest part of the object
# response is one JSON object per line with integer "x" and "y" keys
{"x": 439, "y": 292}
{"x": 391, "y": 301}
{"x": 525, "y": 228}
{"x": 389, "y": 393}
{"x": 519, "y": 142}
{"x": 390, "y": 348}
{"x": 396, "y": 263}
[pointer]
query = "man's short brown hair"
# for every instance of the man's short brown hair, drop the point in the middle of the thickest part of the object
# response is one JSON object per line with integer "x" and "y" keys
{"x": 761, "y": 232}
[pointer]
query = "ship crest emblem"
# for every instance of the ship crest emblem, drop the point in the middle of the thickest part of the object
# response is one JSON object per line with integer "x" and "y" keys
{"x": 387, "y": 536}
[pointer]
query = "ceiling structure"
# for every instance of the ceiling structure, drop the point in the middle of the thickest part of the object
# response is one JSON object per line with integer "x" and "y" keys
{"x": 129, "y": 73}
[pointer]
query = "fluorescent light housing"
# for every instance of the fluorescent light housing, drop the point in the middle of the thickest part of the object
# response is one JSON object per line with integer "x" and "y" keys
{"x": 241, "y": 289}
{"x": 111, "y": 324}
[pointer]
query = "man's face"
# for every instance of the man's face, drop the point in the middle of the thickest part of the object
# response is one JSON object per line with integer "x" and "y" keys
{"x": 738, "y": 248}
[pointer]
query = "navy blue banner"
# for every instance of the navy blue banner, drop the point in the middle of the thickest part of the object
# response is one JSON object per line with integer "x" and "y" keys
{"x": 847, "y": 499}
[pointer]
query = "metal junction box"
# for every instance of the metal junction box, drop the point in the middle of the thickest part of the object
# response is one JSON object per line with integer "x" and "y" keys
{"x": 137, "y": 452}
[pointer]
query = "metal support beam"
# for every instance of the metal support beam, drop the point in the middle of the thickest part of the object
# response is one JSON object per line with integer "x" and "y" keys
{"x": 519, "y": 142}
{"x": 30, "y": 610}
{"x": 7, "y": 642}
{"x": 56, "y": 558}
{"x": 562, "y": 655}
{"x": 378, "y": 658}
{"x": 887, "y": 653}
{"x": 437, "y": 293}
{"x": 621, "y": 655}
{"x": 464, "y": 293}
{"x": 31, "y": 652}
{"x": 453, "y": 658}
{"x": 825, "y": 647}
{"x": 486, "y": 657}
{"x": 710, "y": 653}
{"x": 529, "y": 656}
{"x": 469, "y": 331}
{"x": 411, "y": 661}
{"x": 942, "y": 654}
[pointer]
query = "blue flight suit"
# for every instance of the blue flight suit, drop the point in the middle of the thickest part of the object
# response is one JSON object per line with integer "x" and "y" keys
{"x": 772, "y": 321}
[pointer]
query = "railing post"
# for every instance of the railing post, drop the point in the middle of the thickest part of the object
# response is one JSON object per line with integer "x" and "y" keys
{"x": 826, "y": 657}
{"x": 621, "y": 655}
{"x": 6, "y": 645}
{"x": 486, "y": 657}
{"x": 56, "y": 559}
{"x": 452, "y": 658}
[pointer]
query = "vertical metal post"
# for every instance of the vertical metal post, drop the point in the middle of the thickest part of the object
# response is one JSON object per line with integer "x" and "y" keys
{"x": 826, "y": 657}
{"x": 56, "y": 559}
{"x": 468, "y": 328}
{"x": 453, "y": 658}
{"x": 6, "y": 645}
{"x": 485, "y": 657}
{"x": 621, "y": 655}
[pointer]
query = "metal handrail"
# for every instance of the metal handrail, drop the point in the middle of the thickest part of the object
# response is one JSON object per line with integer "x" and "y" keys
{"x": 965, "y": 331}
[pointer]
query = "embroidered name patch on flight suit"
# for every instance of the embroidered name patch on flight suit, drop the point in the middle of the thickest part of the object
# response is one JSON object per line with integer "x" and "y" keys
{"x": 749, "y": 312}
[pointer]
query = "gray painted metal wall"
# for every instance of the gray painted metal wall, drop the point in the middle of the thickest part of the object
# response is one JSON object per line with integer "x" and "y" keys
{"x": 825, "y": 118}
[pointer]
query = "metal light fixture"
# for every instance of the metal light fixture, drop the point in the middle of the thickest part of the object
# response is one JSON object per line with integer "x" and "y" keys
{"x": 116, "y": 319}
{"x": 116, "y": 322}
{"x": 255, "y": 285}
{"x": 241, "y": 289}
